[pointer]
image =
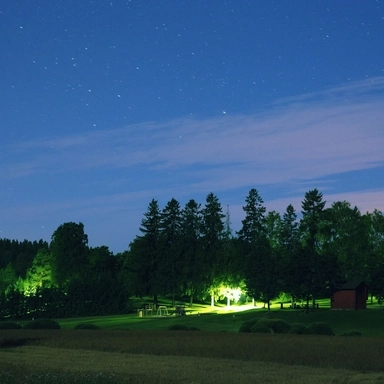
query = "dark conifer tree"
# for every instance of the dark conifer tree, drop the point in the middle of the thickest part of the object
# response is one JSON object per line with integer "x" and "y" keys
{"x": 191, "y": 224}
{"x": 170, "y": 262}
{"x": 311, "y": 269}
{"x": 212, "y": 240}
{"x": 254, "y": 245}
{"x": 290, "y": 239}
{"x": 142, "y": 262}
{"x": 231, "y": 265}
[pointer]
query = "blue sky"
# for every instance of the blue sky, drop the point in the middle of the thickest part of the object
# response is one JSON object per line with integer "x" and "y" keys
{"x": 105, "y": 105}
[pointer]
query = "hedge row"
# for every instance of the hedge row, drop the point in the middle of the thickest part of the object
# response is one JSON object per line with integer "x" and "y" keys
{"x": 267, "y": 325}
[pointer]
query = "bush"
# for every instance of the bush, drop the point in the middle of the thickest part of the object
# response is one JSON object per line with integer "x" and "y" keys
{"x": 247, "y": 325}
{"x": 351, "y": 333}
{"x": 298, "y": 329}
{"x": 259, "y": 325}
{"x": 320, "y": 328}
{"x": 261, "y": 328}
{"x": 267, "y": 322}
{"x": 9, "y": 325}
{"x": 295, "y": 331}
{"x": 42, "y": 324}
{"x": 86, "y": 326}
{"x": 275, "y": 325}
{"x": 281, "y": 326}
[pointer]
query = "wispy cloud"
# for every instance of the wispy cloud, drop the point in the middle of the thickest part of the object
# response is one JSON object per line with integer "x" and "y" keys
{"x": 297, "y": 141}
{"x": 294, "y": 145}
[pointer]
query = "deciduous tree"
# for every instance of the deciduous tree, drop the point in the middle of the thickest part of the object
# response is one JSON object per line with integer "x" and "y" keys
{"x": 69, "y": 248}
{"x": 39, "y": 275}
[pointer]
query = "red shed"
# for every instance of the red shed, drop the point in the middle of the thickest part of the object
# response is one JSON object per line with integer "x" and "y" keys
{"x": 350, "y": 295}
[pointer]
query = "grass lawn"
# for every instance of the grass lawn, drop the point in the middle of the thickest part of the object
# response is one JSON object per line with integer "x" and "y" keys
{"x": 369, "y": 322}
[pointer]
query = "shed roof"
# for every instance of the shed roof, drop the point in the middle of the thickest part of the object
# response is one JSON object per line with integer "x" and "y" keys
{"x": 351, "y": 285}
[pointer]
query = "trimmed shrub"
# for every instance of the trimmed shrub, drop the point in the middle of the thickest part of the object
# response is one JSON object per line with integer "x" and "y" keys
{"x": 295, "y": 331}
{"x": 178, "y": 327}
{"x": 320, "y": 328}
{"x": 268, "y": 322}
{"x": 9, "y": 325}
{"x": 281, "y": 326}
{"x": 298, "y": 329}
{"x": 261, "y": 328}
{"x": 247, "y": 325}
{"x": 42, "y": 324}
{"x": 351, "y": 333}
{"x": 86, "y": 326}
{"x": 275, "y": 325}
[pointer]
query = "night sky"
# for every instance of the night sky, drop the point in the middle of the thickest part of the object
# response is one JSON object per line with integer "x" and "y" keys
{"x": 105, "y": 105}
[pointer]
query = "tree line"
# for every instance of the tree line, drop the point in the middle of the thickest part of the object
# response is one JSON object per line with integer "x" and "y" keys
{"x": 192, "y": 252}
{"x": 65, "y": 278}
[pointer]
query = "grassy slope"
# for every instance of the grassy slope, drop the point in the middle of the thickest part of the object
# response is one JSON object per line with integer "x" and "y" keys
{"x": 112, "y": 356}
{"x": 45, "y": 366}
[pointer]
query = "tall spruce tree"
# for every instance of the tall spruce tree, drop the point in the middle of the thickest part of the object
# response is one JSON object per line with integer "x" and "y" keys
{"x": 142, "y": 261}
{"x": 272, "y": 268}
{"x": 232, "y": 262}
{"x": 311, "y": 272}
{"x": 212, "y": 240}
{"x": 290, "y": 229}
{"x": 312, "y": 211}
{"x": 253, "y": 226}
{"x": 290, "y": 245}
{"x": 191, "y": 225}
{"x": 255, "y": 247}
{"x": 229, "y": 277}
{"x": 170, "y": 263}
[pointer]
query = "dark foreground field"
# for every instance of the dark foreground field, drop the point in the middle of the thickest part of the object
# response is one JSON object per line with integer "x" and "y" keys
{"x": 116, "y": 356}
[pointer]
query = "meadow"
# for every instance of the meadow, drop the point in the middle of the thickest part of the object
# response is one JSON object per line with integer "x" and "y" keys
{"x": 129, "y": 349}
